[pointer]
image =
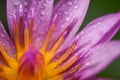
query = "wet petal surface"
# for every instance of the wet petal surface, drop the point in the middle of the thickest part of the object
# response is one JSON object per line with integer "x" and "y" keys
{"x": 67, "y": 11}
{"x": 36, "y": 13}
{"x": 5, "y": 41}
{"x": 98, "y": 58}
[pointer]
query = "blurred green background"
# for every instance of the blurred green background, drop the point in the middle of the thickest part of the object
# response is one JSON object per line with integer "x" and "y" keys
{"x": 97, "y": 8}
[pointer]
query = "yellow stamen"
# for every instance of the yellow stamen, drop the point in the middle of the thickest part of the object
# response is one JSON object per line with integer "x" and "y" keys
{"x": 57, "y": 77}
{"x": 26, "y": 39}
{"x": 74, "y": 69}
{"x": 19, "y": 48}
{"x": 7, "y": 73}
{"x": 49, "y": 35}
{"x": 2, "y": 67}
{"x": 63, "y": 67}
{"x": 30, "y": 30}
{"x": 10, "y": 61}
{"x": 57, "y": 45}
{"x": 65, "y": 55}
{"x": 20, "y": 31}
{"x": 16, "y": 37}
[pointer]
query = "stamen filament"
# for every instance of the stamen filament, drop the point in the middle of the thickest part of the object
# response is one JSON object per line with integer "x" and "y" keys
{"x": 31, "y": 24}
{"x": 10, "y": 61}
{"x": 54, "y": 49}
{"x": 20, "y": 31}
{"x": 63, "y": 67}
{"x": 49, "y": 35}
{"x": 1, "y": 68}
{"x": 26, "y": 38}
{"x": 16, "y": 37}
{"x": 65, "y": 55}
{"x": 7, "y": 73}
{"x": 16, "y": 40}
{"x": 59, "y": 42}
{"x": 73, "y": 70}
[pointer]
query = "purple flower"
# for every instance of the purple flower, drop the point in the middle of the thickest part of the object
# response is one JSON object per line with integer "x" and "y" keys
{"x": 44, "y": 44}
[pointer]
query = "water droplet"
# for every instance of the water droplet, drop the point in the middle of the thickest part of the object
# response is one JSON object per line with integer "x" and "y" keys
{"x": 70, "y": 3}
{"x": 3, "y": 44}
{"x": 66, "y": 12}
{"x": 76, "y": 6}
{"x": 67, "y": 19}
{"x": 25, "y": 3}
{"x": 42, "y": 12}
{"x": 25, "y": 9}
{"x": 16, "y": 2}
{"x": 34, "y": 1}
{"x": 40, "y": 6}
{"x": 2, "y": 35}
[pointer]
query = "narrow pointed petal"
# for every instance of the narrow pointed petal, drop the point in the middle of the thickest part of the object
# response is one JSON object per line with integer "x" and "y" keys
{"x": 99, "y": 30}
{"x": 67, "y": 11}
{"x": 98, "y": 58}
{"x": 38, "y": 11}
{"x": 6, "y": 42}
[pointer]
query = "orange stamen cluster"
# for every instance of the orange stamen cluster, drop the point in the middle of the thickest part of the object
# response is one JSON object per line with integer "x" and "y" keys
{"x": 32, "y": 64}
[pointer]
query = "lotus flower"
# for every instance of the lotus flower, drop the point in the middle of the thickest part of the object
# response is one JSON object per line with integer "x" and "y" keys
{"x": 44, "y": 44}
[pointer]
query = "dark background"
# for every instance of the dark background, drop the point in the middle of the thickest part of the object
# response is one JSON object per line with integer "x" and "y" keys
{"x": 97, "y": 8}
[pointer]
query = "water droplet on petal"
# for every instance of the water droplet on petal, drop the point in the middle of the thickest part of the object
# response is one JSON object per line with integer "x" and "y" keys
{"x": 66, "y": 12}
{"x": 67, "y": 19}
{"x": 70, "y": 3}
{"x": 25, "y": 9}
{"x": 25, "y": 3}
{"x": 2, "y": 35}
{"x": 76, "y": 7}
{"x": 42, "y": 13}
{"x": 16, "y": 2}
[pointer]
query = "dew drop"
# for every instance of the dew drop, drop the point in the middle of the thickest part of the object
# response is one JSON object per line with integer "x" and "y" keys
{"x": 40, "y": 6}
{"x": 3, "y": 44}
{"x": 76, "y": 7}
{"x": 66, "y": 12}
{"x": 70, "y": 3}
{"x": 25, "y": 3}
{"x": 2, "y": 35}
{"x": 25, "y": 10}
{"x": 42, "y": 12}
{"x": 67, "y": 19}
{"x": 16, "y": 2}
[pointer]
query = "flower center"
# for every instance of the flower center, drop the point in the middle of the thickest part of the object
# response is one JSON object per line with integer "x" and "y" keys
{"x": 31, "y": 65}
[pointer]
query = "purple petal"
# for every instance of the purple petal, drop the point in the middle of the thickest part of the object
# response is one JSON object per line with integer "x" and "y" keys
{"x": 67, "y": 11}
{"x": 98, "y": 58}
{"x": 42, "y": 21}
{"x": 102, "y": 79}
{"x": 39, "y": 10}
{"x": 6, "y": 42}
{"x": 97, "y": 79}
{"x": 99, "y": 30}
